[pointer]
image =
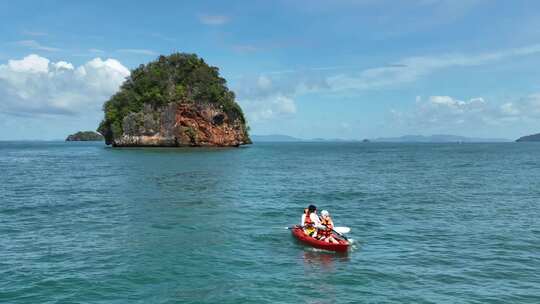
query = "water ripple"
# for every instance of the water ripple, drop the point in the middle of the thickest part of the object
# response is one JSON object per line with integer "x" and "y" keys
{"x": 81, "y": 223}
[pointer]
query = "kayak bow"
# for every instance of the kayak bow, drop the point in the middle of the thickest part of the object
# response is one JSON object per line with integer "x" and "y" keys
{"x": 299, "y": 234}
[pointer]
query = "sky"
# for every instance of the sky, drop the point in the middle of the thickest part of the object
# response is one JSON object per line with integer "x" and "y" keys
{"x": 332, "y": 69}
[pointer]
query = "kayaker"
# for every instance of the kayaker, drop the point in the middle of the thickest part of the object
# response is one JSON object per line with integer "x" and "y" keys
{"x": 310, "y": 221}
{"x": 326, "y": 233}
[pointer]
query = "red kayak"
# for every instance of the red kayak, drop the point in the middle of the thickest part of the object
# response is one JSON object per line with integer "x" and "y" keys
{"x": 299, "y": 234}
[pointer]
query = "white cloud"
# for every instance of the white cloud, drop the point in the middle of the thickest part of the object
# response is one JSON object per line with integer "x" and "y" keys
{"x": 270, "y": 107}
{"x": 35, "y": 85}
{"x": 528, "y": 107}
{"x": 214, "y": 19}
{"x": 272, "y": 94}
{"x": 407, "y": 70}
{"x": 296, "y": 82}
{"x": 263, "y": 100}
{"x": 284, "y": 105}
{"x": 138, "y": 51}
{"x": 510, "y": 109}
{"x": 30, "y": 64}
{"x": 445, "y": 112}
{"x": 448, "y": 110}
{"x": 262, "y": 97}
{"x": 63, "y": 65}
{"x": 34, "y": 45}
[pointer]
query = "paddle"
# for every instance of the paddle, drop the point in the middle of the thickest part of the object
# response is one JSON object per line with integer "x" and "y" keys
{"x": 341, "y": 235}
{"x": 342, "y": 229}
{"x": 293, "y": 227}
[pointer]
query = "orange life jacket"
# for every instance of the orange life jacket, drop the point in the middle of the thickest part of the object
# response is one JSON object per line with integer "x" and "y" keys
{"x": 329, "y": 227}
{"x": 309, "y": 228}
{"x": 307, "y": 220}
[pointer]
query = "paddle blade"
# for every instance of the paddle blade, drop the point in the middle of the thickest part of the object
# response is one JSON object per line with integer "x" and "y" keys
{"x": 342, "y": 229}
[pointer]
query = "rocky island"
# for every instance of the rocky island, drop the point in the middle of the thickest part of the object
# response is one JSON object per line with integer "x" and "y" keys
{"x": 174, "y": 101}
{"x": 85, "y": 136}
{"x": 533, "y": 137}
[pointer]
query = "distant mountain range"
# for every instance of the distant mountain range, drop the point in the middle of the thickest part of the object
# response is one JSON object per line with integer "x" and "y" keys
{"x": 439, "y": 138}
{"x": 273, "y": 138}
{"x": 287, "y": 138}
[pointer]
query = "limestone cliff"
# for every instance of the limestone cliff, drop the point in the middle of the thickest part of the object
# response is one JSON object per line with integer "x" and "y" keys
{"x": 176, "y": 125}
{"x": 174, "y": 101}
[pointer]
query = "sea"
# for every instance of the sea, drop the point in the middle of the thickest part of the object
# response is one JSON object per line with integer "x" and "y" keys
{"x": 430, "y": 223}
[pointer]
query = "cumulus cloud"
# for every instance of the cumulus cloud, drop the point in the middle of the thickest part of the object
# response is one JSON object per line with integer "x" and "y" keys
{"x": 449, "y": 112}
{"x": 214, "y": 19}
{"x": 263, "y": 99}
{"x": 34, "y": 85}
{"x": 269, "y": 108}
{"x": 526, "y": 107}
{"x": 30, "y": 64}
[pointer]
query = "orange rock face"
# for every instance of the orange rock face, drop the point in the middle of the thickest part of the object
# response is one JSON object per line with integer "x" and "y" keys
{"x": 180, "y": 125}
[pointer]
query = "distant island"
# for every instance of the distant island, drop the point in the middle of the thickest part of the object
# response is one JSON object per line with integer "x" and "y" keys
{"x": 437, "y": 138}
{"x": 174, "y": 101}
{"x": 85, "y": 136}
{"x": 287, "y": 138}
{"x": 274, "y": 138}
{"x": 401, "y": 139}
{"x": 533, "y": 137}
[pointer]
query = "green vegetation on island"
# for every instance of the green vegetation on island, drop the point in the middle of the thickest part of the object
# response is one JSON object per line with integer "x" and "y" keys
{"x": 179, "y": 78}
{"x": 533, "y": 137}
{"x": 85, "y": 136}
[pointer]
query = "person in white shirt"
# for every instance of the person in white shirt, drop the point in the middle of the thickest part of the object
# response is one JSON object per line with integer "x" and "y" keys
{"x": 311, "y": 221}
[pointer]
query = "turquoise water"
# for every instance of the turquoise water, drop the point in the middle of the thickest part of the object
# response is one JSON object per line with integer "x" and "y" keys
{"x": 431, "y": 223}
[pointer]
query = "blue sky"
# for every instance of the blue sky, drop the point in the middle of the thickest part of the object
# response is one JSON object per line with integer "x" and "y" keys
{"x": 347, "y": 69}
